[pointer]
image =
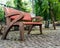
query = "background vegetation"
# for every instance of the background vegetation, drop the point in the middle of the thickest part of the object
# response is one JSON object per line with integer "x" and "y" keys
{"x": 40, "y": 8}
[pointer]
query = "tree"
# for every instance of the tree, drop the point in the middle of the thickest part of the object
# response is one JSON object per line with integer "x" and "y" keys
{"x": 42, "y": 9}
{"x": 49, "y": 9}
{"x": 21, "y": 5}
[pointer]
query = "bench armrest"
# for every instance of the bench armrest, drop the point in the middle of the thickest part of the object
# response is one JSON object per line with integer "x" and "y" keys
{"x": 37, "y": 18}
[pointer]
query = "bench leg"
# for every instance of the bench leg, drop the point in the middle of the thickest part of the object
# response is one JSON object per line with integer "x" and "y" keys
{"x": 40, "y": 27}
{"x": 6, "y": 32}
{"x": 30, "y": 28}
{"x": 21, "y": 28}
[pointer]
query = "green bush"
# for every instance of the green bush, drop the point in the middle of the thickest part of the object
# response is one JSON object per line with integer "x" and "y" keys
{"x": 1, "y": 14}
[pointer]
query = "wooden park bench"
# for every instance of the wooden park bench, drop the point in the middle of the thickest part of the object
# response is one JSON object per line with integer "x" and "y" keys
{"x": 15, "y": 17}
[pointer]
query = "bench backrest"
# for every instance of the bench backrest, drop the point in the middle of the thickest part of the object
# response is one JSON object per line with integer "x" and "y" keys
{"x": 27, "y": 16}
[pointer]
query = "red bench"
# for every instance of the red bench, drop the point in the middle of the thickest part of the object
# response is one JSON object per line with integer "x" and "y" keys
{"x": 15, "y": 17}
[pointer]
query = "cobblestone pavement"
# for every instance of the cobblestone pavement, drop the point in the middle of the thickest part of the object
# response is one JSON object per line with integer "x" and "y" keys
{"x": 49, "y": 39}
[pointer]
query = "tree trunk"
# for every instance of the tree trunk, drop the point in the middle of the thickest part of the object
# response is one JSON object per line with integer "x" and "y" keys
{"x": 53, "y": 21}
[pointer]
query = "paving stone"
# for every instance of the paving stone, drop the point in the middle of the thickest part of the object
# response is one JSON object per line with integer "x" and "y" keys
{"x": 49, "y": 39}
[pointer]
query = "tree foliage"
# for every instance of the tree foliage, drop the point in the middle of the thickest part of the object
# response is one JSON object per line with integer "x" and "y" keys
{"x": 1, "y": 14}
{"x": 42, "y": 7}
{"x": 21, "y": 5}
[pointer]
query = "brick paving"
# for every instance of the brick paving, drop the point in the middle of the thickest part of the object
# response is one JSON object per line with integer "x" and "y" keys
{"x": 49, "y": 39}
